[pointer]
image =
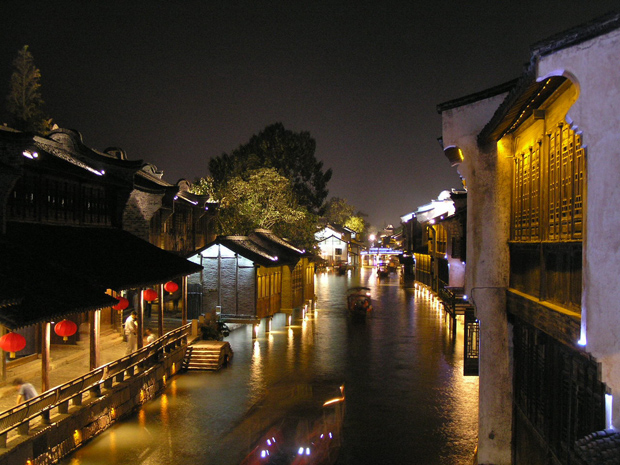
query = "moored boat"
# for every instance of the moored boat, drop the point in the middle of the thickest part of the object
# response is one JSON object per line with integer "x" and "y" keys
{"x": 359, "y": 302}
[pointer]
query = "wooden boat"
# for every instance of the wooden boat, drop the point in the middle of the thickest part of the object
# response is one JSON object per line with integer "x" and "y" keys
{"x": 358, "y": 301}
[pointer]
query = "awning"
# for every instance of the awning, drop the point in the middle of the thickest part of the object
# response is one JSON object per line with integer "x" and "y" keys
{"x": 108, "y": 258}
{"x": 33, "y": 290}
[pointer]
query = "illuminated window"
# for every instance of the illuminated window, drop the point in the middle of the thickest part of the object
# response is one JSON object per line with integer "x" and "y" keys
{"x": 554, "y": 166}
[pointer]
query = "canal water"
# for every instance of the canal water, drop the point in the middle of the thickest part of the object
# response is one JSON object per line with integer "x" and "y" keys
{"x": 407, "y": 401}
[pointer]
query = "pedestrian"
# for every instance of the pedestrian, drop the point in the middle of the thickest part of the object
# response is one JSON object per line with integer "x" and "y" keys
{"x": 131, "y": 331}
{"x": 148, "y": 334}
{"x": 25, "y": 391}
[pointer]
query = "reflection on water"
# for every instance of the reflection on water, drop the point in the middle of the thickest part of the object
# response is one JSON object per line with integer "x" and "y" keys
{"x": 407, "y": 401}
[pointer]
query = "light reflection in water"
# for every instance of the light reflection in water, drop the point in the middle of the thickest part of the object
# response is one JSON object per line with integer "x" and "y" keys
{"x": 407, "y": 401}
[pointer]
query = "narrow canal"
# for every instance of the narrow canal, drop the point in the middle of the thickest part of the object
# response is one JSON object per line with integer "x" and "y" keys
{"x": 406, "y": 399}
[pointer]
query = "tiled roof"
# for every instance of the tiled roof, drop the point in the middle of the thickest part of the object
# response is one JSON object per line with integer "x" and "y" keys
{"x": 599, "y": 448}
{"x": 527, "y": 94}
{"x": 263, "y": 247}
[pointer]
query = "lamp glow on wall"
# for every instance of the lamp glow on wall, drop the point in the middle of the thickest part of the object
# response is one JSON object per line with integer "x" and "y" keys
{"x": 12, "y": 342}
{"x": 65, "y": 328}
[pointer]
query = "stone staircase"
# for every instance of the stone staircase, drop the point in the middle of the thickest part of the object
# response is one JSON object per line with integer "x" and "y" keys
{"x": 207, "y": 355}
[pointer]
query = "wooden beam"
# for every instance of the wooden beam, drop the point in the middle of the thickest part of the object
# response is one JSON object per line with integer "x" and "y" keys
{"x": 94, "y": 320}
{"x": 45, "y": 355}
{"x": 140, "y": 329}
{"x": 184, "y": 309}
{"x": 160, "y": 313}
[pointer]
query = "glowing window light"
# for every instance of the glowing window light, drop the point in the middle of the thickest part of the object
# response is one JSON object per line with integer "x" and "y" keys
{"x": 608, "y": 410}
{"x": 77, "y": 437}
{"x": 300, "y": 451}
{"x": 307, "y": 451}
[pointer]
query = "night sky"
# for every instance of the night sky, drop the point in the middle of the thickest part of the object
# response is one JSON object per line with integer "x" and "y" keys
{"x": 177, "y": 82}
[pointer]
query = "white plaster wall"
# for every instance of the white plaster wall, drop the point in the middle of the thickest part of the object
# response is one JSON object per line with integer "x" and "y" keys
{"x": 487, "y": 178}
{"x": 457, "y": 272}
{"x": 595, "y": 67}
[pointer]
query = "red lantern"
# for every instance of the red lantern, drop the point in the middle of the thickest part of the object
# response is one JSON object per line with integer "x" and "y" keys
{"x": 12, "y": 342}
{"x": 171, "y": 286}
{"x": 122, "y": 304}
{"x": 65, "y": 328}
{"x": 149, "y": 295}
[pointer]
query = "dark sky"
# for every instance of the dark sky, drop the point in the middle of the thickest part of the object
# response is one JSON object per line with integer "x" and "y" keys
{"x": 177, "y": 82}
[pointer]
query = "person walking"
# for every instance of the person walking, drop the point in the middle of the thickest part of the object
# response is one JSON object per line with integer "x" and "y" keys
{"x": 25, "y": 391}
{"x": 131, "y": 331}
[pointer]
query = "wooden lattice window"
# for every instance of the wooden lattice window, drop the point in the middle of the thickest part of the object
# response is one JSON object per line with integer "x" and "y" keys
{"x": 566, "y": 185}
{"x": 548, "y": 189}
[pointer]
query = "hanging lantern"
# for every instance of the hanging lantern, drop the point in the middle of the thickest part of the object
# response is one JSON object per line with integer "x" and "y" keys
{"x": 12, "y": 342}
{"x": 171, "y": 286}
{"x": 122, "y": 304}
{"x": 149, "y": 295}
{"x": 65, "y": 328}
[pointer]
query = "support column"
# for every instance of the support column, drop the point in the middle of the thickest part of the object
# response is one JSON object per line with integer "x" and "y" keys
{"x": 184, "y": 292}
{"x": 3, "y": 356}
{"x": 495, "y": 378}
{"x": 45, "y": 355}
{"x": 94, "y": 320}
{"x": 160, "y": 313}
{"x": 140, "y": 330}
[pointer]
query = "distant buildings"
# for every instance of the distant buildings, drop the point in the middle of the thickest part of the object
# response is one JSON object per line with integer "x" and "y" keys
{"x": 339, "y": 245}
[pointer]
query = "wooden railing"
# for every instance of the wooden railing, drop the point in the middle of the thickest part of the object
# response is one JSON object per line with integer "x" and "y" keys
{"x": 41, "y": 407}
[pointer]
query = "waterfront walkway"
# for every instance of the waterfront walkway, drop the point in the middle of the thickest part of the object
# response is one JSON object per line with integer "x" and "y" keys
{"x": 67, "y": 361}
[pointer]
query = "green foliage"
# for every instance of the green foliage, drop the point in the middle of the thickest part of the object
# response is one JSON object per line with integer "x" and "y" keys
{"x": 204, "y": 186}
{"x": 24, "y": 101}
{"x": 357, "y": 224}
{"x": 338, "y": 211}
{"x": 290, "y": 154}
{"x": 265, "y": 200}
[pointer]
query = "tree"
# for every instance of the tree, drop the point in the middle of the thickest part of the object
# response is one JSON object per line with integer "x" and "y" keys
{"x": 338, "y": 211}
{"x": 264, "y": 200}
{"x": 291, "y": 154}
{"x": 24, "y": 101}
{"x": 204, "y": 186}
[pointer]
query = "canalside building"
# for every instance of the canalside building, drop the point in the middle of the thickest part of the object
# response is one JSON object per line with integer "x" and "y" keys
{"x": 539, "y": 156}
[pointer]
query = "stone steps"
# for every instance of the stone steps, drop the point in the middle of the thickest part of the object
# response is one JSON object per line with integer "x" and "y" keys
{"x": 207, "y": 356}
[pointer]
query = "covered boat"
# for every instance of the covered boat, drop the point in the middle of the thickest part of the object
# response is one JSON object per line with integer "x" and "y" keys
{"x": 358, "y": 301}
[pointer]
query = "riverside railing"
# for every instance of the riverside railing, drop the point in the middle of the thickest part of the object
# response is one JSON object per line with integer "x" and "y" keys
{"x": 18, "y": 418}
